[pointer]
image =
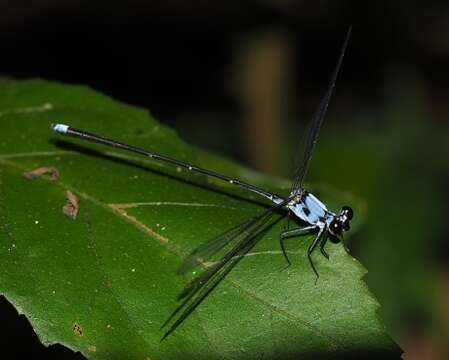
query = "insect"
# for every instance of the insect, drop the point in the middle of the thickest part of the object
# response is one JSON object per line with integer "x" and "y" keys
{"x": 239, "y": 240}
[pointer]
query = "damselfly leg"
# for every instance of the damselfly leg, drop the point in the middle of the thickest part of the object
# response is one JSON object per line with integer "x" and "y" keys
{"x": 294, "y": 232}
{"x": 312, "y": 247}
{"x": 285, "y": 229}
{"x": 323, "y": 251}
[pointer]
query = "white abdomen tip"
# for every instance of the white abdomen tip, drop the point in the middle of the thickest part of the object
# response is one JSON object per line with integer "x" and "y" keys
{"x": 59, "y": 128}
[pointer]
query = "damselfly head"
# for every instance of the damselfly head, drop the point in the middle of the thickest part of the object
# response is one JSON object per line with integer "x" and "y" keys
{"x": 341, "y": 222}
{"x": 347, "y": 212}
{"x": 336, "y": 227}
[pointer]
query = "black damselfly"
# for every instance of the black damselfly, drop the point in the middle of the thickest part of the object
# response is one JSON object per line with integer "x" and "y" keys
{"x": 299, "y": 204}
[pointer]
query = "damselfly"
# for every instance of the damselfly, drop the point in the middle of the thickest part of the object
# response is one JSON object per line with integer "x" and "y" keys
{"x": 239, "y": 240}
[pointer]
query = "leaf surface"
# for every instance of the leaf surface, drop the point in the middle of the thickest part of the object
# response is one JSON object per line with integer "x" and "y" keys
{"x": 104, "y": 282}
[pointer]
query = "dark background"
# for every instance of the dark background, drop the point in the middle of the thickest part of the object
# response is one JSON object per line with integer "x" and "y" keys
{"x": 242, "y": 80}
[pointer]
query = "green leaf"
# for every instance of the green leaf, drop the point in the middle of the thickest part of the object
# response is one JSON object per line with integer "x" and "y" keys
{"x": 103, "y": 283}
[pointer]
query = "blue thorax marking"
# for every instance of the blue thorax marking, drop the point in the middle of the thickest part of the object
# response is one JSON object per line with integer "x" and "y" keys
{"x": 308, "y": 208}
{"x": 311, "y": 210}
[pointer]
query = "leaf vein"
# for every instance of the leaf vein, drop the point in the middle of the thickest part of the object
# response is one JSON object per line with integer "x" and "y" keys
{"x": 123, "y": 206}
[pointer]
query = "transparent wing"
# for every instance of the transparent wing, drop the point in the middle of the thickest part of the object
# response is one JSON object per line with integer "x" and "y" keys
{"x": 207, "y": 250}
{"x": 244, "y": 237}
{"x": 317, "y": 121}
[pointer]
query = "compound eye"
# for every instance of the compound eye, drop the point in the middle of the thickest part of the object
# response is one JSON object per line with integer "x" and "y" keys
{"x": 335, "y": 227}
{"x": 346, "y": 226}
{"x": 346, "y": 210}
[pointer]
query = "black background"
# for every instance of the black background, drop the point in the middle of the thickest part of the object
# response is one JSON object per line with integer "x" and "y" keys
{"x": 178, "y": 60}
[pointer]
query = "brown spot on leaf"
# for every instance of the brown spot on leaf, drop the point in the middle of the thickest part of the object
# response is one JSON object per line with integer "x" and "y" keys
{"x": 44, "y": 170}
{"x": 77, "y": 330}
{"x": 71, "y": 206}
